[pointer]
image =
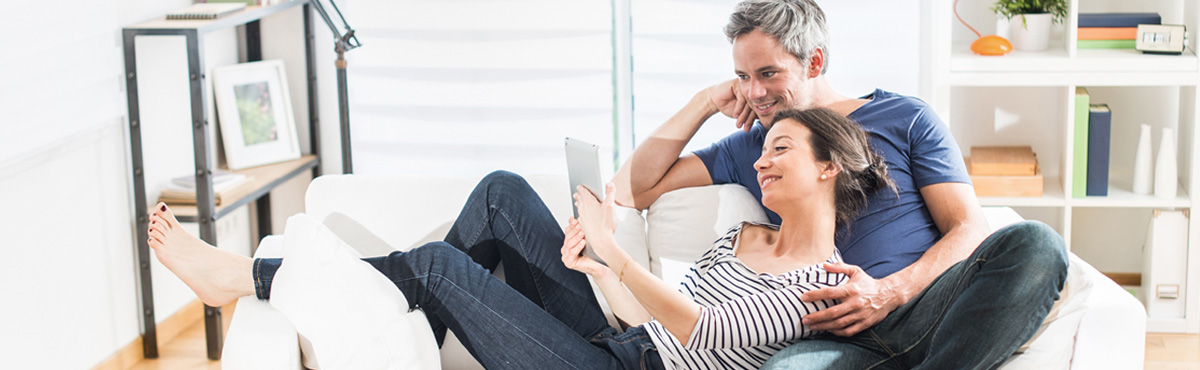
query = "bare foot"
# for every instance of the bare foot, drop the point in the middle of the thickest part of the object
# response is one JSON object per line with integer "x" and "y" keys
{"x": 218, "y": 277}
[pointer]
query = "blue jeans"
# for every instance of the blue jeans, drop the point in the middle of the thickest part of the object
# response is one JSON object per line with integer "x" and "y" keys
{"x": 973, "y": 316}
{"x": 546, "y": 317}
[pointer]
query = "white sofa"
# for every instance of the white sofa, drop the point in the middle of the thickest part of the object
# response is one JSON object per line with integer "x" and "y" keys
{"x": 1097, "y": 325}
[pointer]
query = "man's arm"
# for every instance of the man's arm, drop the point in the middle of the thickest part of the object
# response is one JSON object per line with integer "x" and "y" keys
{"x": 957, "y": 213}
{"x": 866, "y": 301}
{"x": 656, "y": 166}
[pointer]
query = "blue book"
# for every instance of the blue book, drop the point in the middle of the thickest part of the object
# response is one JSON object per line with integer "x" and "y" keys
{"x": 1118, "y": 19}
{"x": 1099, "y": 140}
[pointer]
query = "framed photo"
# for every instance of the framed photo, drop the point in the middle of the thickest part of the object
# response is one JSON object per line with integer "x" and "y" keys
{"x": 255, "y": 114}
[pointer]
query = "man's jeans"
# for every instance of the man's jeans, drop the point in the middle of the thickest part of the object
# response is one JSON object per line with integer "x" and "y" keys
{"x": 973, "y": 316}
{"x": 546, "y": 317}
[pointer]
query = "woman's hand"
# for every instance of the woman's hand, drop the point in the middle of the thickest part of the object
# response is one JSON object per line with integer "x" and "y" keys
{"x": 572, "y": 251}
{"x": 596, "y": 218}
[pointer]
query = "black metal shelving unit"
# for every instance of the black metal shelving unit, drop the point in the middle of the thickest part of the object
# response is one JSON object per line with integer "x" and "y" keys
{"x": 206, "y": 212}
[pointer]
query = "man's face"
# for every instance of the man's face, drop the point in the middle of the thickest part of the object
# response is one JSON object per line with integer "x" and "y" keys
{"x": 771, "y": 78}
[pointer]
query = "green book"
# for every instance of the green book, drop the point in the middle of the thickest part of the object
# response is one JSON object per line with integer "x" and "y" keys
{"x": 1079, "y": 157}
{"x": 1107, "y": 44}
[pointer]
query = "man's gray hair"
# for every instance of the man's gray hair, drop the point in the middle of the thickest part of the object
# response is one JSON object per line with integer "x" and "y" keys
{"x": 798, "y": 25}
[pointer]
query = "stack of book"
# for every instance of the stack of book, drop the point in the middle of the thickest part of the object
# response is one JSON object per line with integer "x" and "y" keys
{"x": 1005, "y": 171}
{"x": 1093, "y": 136}
{"x": 206, "y": 11}
{"x": 1112, "y": 30}
{"x": 182, "y": 190}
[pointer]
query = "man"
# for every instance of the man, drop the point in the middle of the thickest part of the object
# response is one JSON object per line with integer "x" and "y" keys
{"x": 904, "y": 305}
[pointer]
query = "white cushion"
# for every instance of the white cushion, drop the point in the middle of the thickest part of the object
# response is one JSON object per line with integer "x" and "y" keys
{"x": 259, "y": 336}
{"x": 684, "y": 223}
{"x": 354, "y": 317}
{"x": 1053, "y": 344}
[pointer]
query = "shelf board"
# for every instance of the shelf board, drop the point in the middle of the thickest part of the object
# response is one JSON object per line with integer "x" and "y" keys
{"x": 1120, "y": 196}
{"x": 263, "y": 179}
{"x": 249, "y": 14}
{"x": 1052, "y": 196}
{"x": 1091, "y": 67}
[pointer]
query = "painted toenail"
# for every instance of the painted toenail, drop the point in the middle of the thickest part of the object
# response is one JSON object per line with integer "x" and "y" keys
{"x": 163, "y": 208}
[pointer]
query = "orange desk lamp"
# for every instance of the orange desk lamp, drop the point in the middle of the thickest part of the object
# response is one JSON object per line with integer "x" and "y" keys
{"x": 985, "y": 45}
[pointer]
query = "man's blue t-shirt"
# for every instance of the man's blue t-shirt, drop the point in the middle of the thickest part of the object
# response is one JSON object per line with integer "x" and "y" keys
{"x": 894, "y": 230}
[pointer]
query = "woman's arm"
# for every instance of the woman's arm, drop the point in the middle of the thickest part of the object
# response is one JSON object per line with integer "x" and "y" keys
{"x": 622, "y": 303}
{"x": 756, "y": 320}
{"x": 675, "y": 311}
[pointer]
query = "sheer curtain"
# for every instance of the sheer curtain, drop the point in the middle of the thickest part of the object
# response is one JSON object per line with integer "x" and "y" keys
{"x": 466, "y": 87}
{"x": 469, "y": 86}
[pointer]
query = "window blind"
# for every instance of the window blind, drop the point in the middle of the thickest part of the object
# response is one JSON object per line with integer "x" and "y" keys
{"x": 467, "y": 87}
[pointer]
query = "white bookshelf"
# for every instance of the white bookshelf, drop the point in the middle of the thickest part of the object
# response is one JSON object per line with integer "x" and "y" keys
{"x": 1027, "y": 98}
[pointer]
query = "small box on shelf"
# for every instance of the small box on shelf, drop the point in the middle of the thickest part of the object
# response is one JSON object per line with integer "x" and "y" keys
{"x": 1005, "y": 171}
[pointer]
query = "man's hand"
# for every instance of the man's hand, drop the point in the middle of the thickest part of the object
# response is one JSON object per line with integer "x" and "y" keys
{"x": 727, "y": 98}
{"x": 863, "y": 302}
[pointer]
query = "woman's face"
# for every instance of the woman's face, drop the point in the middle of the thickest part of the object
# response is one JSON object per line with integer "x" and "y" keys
{"x": 788, "y": 172}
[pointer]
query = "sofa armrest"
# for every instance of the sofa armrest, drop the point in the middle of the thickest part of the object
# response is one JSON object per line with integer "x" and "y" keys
{"x": 259, "y": 336}
{"x": 1112, "y": 332}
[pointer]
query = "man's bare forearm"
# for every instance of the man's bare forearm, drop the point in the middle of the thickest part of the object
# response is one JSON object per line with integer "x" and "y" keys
{"x": 956, "y": 245}
{"x": 654, "y": 157}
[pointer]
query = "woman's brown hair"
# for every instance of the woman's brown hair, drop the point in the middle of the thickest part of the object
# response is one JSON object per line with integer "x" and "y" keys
{"x": 844, "y": 143}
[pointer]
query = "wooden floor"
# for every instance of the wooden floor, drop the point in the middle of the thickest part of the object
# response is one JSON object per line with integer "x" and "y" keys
{"x": 186, "y": 352}
{"x": 1172, "y": 351}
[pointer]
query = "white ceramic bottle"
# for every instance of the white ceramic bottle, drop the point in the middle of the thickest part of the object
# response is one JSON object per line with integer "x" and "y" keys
{"x": 1142, "y": 163}
{"x": 1166, "y": 178}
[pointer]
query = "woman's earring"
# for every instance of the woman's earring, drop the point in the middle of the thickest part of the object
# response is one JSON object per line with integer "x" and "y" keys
{"x": 822, "y": 176}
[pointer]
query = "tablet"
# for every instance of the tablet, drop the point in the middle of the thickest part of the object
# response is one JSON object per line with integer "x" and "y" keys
{"x": 583, "y": 168}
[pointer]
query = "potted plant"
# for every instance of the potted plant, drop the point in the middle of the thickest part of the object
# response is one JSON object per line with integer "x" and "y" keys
{"x": 1033, "y": 32}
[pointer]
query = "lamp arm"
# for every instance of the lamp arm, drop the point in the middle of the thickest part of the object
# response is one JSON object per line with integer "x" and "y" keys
{"x": 345, "y": 41}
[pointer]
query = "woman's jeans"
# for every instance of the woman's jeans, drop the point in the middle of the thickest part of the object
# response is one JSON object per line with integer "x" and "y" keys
{"x": 546, "y": 317}
{"x": 973, "y": 316}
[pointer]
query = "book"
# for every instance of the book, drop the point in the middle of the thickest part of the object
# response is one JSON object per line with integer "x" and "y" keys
{"x": 1107, "y": 33}
{"x": 206, "y": 11}
{"x": 1118, "y": 19}
{"x": 1008, "y": 185}
{"x": 177, "y": 196}
{"x": 247, "y": 2}
{"x": 1079, "y": 156}
{"x": 1002, "y": 161}
{"x": 1107, "y": 44}
{"x": 1099, "y": 137}
{"x": 230, "y": 183}
{"x": 186, "y": 182}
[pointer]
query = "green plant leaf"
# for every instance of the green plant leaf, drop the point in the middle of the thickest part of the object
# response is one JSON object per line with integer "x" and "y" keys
{"x": 1011, "y": 8}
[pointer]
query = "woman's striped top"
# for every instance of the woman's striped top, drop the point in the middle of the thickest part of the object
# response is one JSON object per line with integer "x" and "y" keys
{"x": 746, "y": 316}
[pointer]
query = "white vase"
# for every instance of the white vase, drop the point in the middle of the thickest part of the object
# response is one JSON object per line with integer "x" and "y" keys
{"x": 1003, "y": 27}
{"x": 1166, "y": 181}
{"x": 1031, "y": 32}
{"x": 1141, "y": 163}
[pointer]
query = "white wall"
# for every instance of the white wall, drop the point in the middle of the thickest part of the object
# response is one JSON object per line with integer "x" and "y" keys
{"x": 68, "y": 272}
{"x": 68, "y": 286}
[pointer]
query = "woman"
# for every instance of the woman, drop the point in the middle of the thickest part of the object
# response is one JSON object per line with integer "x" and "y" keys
{"x": 739, "y": 304}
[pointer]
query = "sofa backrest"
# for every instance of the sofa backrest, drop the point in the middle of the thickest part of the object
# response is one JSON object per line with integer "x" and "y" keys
{"x": 683, "y": 224}
{"x": 378, "y": 214}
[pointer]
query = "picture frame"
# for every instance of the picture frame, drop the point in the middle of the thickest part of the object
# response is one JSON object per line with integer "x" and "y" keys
{"x": 255, "y": 114}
